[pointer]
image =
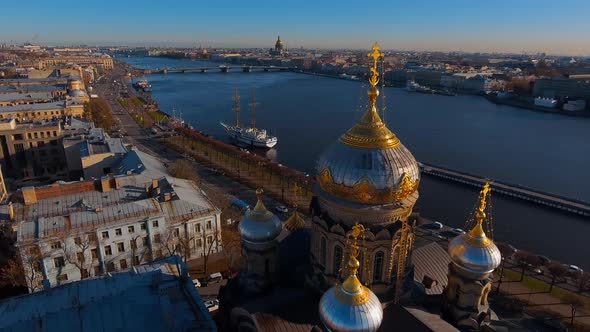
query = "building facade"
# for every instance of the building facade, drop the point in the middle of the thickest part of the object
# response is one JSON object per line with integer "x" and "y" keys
{"x": 72, "y": 231}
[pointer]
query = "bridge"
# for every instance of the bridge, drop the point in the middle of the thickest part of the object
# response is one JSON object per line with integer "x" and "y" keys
{"x": 222, "y": 69}
{"x": 527, "y": 194}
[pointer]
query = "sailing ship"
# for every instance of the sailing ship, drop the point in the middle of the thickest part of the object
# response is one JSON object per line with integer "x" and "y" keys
{"x": 248, "y": 136}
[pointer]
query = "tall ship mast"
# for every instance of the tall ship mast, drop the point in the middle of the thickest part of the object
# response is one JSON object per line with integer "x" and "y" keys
{"x": 248, "y": 136}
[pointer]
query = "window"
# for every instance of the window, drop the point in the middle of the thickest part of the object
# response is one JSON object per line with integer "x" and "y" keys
{"x": 40, "y": 144}
{"x": 198, "y": 228}
{"x": 157, "y": 238}
{"x": 78, "y": 241}
{"x": 337, "y": 260}
{"x": 144, "y": 240}
{"x": 123, "y": 263}
{"x": 84, "y": 273}
{"x": 62, "y": 277}
{"x": 323, "y": 251}
{"x": 108, "y": 251}
{"x": 105, "y": 235}
{"x": 177, "y": 232}
{"x": 80, "y": 257}
{"x": 131, "y": 229}
{"x": 199, "y": 243}
{"x": 18, "y": 137}
{"x": 96, "y": 270}
{"x": 155, "y": 223}
{"x": 121, "y": 247}
{"x": 133, "y": 244}
{"x": 142, "y": 226}
{"x": 29, "y": 135}
{"x": 136, "y": 260}
{"x": 59, "y": 262}
{"x": 209, "y": 240}
{"x": 118, "y": 232}
{"x": 94, "y": 253}
{"x": 378, "y": 266}
{"x": 208, "y": 224}
{"x": 92, "y": 237}
{"x": 159, "y": 253}
{"x": 37, "y": 266}
{"x": 56, "y": 245}
{"x": 110, "y": 267}
{"x": 19, "y": 147}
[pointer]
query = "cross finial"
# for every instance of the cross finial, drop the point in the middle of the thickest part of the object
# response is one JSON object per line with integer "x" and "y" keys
{"x": 375, "y": 55}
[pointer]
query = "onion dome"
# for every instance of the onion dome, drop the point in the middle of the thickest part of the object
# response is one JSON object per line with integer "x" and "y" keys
{"x": 350, "y": 306}
{"x": 295, "y": 221}
{"x": 368, "y": 165}
{"x": 260, "y": 225}
{"x": 474, "y": 252}
{"x": 77, "y": 93}
{"x": 279, "y": 43}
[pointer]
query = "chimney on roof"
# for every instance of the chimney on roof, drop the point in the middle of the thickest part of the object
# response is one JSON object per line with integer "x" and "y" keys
{"x": 167, "y": 197}
{"x": 11, "y": 211}
{"x": 117, "y": 183}
{"x": 29, "y": 195}
{"x": 105, "y": 184}
{"x": 155, "y": 183}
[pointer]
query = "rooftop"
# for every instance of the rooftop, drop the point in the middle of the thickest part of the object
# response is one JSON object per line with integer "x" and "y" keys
{"x": 36, "y": 107}
{"x": 153, "y": 297}
{"x": 32, "y": 96}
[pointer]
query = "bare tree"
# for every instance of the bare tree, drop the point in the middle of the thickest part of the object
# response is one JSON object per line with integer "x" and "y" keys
{"x": 575, "y": 303}
{"x": 523, "y": 259}
{"x": 76, "y": 255}
{"x": 557, "y": 270}
{"x": 24, "y": 270}
{"x": 169, "y": 242}
{"x": 583, "y": 281}
{"x": 507, "y": 251}
{"x": 232, "y": 249}
{"x": 136, "y": 252}
{"x": 185, "y": 247}
{"x": 210, "y": 241}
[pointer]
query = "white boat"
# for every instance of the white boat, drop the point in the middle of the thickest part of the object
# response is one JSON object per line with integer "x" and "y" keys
{"x": 248, "y": 136}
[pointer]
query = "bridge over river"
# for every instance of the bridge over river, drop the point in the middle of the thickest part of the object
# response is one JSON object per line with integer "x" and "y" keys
{"x": 221, "y": 69}
{"x": 531, "y": 195}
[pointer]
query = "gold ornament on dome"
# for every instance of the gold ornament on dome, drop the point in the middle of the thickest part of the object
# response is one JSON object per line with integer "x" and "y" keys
{"x": 351, "y": 292}
{"x": 477, "y": 237}
{"x": 370, "y": 132}
{"x": 364, "y": 191}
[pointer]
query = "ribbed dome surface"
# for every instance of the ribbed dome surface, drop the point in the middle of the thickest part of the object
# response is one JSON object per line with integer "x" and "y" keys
{"x": 260, "y": 225}
{"x": 339, "y": 316}
{"x": 475, "y": 255}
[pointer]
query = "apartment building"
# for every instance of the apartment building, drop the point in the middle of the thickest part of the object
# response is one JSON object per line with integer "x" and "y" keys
{"x": 72, "y": 231}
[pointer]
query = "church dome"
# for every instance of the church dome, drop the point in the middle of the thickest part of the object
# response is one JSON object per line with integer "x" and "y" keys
{"x": 260, "y": 225}
{"x": 368, "y": 165}
{"x": 77, "y": 93}
{"x": 294, "y": 222}
{"x": 473, "y": 252}
{"x": 350, "y": 306}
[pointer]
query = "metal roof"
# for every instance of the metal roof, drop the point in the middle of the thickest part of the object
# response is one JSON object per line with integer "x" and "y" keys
{"x": 159, "y": 296}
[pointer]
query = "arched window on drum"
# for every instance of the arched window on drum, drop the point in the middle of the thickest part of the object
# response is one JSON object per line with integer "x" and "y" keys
{"x": 378, "y": 266}
{"x": 337, "y": 260}
{"x": 323, "y": 251}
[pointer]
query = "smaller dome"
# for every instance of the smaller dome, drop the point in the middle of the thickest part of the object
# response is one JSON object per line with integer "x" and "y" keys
{"x": 350, "y": 306}
{"x": 474, "y": 252}
{"x": 260, "y": 225}
{"x": 294, "y": 222}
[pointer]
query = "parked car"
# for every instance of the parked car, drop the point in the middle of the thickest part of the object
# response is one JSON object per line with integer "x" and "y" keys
{"x": 432, "y": 225}
{"x": 281, "y": 208}
{"x": 243, "y": 206}
{"x": 215, "y": 277}
{"x": 543, "y": 259}
{"x": 457, "y": 231}
{"x": 197, "y": 283}
{"x": 573, "y": 269}
{"x": 212, "y": 305}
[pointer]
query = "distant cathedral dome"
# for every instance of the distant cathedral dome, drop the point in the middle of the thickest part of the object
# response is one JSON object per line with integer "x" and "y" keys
{"x": 350, "y": 306}
{"x": 279, "y": 44}
{"x": 260, "y": 225}
{"x": 367, "y": 166}
{"x": 473, "y": 252}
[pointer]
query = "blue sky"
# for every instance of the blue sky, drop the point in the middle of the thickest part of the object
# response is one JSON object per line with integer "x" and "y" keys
{"x": 477, "y": 25}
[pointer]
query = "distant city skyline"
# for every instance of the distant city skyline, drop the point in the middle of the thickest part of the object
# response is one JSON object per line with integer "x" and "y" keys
{"x": 461, "y": 25}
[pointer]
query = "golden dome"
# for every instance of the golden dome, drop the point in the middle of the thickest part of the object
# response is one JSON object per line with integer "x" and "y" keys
{"x": 368, "y": 165}
{"x": 295, "y": 221}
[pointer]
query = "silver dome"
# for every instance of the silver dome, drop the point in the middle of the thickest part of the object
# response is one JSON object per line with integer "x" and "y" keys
{"x": 260, "y": 225}
{"x": 383, "y": 167}
{"x": 77, "y": 93}
{"x": 474, "y": 254}
{"x": 339, "y": 316}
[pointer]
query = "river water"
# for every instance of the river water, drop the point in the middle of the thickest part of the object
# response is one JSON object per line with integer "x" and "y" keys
{"x": 547, "y": 152}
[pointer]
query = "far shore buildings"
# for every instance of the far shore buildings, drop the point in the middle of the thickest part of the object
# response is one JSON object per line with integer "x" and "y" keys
{"x": 75, "y": 230}
{"x": 158, "y": 296}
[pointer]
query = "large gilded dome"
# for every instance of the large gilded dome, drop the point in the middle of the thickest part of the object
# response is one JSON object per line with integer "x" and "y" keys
{"x": 367, "y": 167}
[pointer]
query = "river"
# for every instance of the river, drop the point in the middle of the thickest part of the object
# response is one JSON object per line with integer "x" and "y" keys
{"x": 547, "y": 152}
